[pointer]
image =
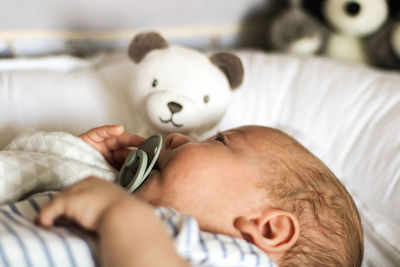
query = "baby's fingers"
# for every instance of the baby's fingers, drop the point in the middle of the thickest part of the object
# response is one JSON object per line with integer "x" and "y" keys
{"x": 119, "y": 157}
{"x": 124, "y": 141}
{"x": 101, "y": 133}
{"x": 52, "y": 211}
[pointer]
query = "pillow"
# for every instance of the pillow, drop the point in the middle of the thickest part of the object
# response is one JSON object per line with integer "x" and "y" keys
{"x": 59, "y": 93}
{"x": 349, "y": 116}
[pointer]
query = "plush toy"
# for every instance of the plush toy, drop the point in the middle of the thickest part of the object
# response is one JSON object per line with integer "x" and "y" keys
{"x": 178, "y": 89}
{"x": 345, "y": 25}
{"x": 296, "y": 31}
{"x": 395, "y": 38}
{"x": 383, "y": 47}
{"x": 351, "y": 21}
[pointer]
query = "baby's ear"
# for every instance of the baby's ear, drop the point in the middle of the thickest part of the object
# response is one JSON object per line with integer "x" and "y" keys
{"x": 231, "y": 66}
{"x": 273, "y": 230}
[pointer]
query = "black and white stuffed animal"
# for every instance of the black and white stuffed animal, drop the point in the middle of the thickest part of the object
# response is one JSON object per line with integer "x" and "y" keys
{"x": 296, "y": 31}
{"x": 383, "y": 47}
{"x": 336, "y": 28}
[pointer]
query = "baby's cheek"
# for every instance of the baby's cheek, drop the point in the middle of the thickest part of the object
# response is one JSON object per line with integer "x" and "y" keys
{"x": 184, "y": 163}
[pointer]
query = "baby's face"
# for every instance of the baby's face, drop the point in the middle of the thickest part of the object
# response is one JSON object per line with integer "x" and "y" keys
{"x": 214, "y": 180}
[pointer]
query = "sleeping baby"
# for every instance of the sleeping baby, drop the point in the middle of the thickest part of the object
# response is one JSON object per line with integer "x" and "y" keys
{"x": 251, "y": 183}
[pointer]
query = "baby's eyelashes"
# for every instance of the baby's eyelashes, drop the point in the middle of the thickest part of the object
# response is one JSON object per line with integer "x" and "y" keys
{"x": 219, "y": 137}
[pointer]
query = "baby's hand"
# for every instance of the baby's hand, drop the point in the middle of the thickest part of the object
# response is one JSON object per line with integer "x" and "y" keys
{"x": 124, "y": 222}
{"x": 112, "y": 143}
{"x": 85, "y": 203}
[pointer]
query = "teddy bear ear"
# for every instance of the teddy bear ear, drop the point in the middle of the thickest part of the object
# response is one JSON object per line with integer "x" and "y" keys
{"x": 143, "y": 43}
{"x": 231, "y": 66}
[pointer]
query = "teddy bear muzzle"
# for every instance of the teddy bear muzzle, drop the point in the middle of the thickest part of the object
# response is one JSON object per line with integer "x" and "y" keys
{"x": 174, "y": 108}
{"x": 171, "y": 112}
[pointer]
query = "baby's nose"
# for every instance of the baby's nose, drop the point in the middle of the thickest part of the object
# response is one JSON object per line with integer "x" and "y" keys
{"x": 175, "y": 140}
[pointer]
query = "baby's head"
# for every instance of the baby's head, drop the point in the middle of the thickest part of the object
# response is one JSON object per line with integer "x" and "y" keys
{"x": 259, "y": 184}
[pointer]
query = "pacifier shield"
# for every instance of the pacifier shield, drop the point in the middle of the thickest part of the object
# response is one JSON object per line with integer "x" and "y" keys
{"x": 152, "y": 147}
{"x": 139, "y": 163}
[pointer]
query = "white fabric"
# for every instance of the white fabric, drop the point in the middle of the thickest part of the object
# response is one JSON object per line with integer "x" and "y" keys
{"x": 62, "y": 63}
{"x": 47, "y": 97}
{"x": 348, "y": 115}
{"x": 23, "y": 243}
{"x": 40, "y": 161}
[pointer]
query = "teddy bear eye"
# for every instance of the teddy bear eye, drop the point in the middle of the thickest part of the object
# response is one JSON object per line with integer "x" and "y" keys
{"x": 206, "y": 99}
{"x": 155, "y": 83}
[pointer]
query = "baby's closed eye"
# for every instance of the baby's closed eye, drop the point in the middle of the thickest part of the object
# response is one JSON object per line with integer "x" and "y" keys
{"x": 219, "y": 137}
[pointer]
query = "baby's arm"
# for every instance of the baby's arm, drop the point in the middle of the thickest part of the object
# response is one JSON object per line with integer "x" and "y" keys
{"x": 112, "y": 142}
{"x": 129, "y": 232}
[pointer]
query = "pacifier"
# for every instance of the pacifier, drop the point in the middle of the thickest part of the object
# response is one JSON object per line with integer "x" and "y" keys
{"x": 139, "y": 163}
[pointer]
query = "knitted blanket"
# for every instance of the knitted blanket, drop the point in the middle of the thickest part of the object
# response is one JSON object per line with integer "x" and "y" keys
{"x": 38, "y": 161}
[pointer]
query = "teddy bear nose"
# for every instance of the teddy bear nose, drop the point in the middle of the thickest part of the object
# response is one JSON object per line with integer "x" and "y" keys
{"x": 352, "y": 8}
{"x": 174, "y": 107}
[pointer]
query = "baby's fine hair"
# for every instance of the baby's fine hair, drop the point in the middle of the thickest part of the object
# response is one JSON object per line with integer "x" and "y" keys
{"x": 330, "y": 227}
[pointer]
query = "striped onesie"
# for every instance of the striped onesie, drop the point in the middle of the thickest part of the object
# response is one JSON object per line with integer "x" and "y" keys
{"x": 23, "y": 243}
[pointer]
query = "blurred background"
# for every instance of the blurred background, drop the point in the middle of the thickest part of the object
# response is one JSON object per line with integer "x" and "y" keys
{"x": 364, "y": 31}
{"x": 75, "y": 26}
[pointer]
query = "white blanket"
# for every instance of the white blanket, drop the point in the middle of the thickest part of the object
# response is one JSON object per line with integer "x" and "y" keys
{"x": 39, "y": 161}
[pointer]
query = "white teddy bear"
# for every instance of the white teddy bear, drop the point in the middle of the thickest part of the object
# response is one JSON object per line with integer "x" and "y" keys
{"x": 178, "y": 89}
